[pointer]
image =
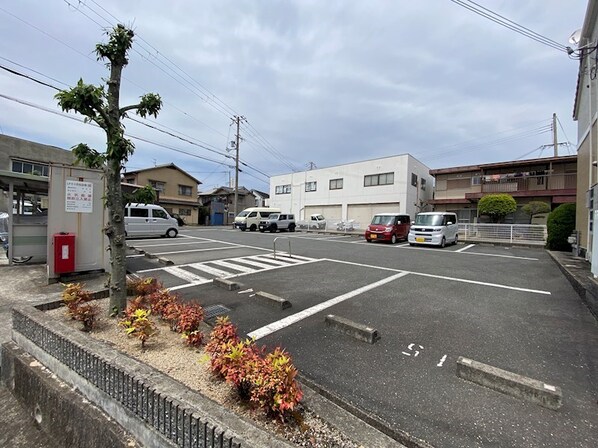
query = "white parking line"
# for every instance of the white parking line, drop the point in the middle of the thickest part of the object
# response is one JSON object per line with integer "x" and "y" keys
{"x": 463, "y": 249}
{"x": 233, "y": 266}
{"x": 443, "y": 277}
{"x": 184, "y": 275}
{"x": 294, "y": 318}
{"x": 195, "y": 250}
{"x": 171, "y": 244}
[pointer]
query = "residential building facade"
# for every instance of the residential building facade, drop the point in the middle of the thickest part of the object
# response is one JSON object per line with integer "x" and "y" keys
{"x": 261, "y": 199}
{"x": 220, "y": 203}
{"x": 585, "y": 112}
{"x": 26, "y": 165}
{"x": 552, "y": 180}
{"x": 355, "y": 191}
{"x": 177, "y": 189}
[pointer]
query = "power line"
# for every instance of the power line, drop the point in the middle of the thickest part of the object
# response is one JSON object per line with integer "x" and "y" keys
{"x": 172, "y": 134}
{"x": 509, "y": 24}
{"x": 81, "y": 120}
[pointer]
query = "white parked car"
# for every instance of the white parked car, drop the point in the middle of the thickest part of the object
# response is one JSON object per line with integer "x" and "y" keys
{"x": 434, "y": 228}
{"x": 149, "y": 220}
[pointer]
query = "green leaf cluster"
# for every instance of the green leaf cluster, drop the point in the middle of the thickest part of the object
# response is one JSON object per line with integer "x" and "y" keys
{"x": 560, "y": 225}
{"x": 536, "y": 207}
{"x": 497, "y": 206}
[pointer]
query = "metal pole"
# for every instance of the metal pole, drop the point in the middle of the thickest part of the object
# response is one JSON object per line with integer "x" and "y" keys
{"x": 554, "y": 136}
{"x": 237, "y": 168}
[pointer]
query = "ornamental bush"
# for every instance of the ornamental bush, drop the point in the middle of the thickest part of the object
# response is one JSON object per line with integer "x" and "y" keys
{"x": 497, "y": 206}
{"x": 560, "y": 225}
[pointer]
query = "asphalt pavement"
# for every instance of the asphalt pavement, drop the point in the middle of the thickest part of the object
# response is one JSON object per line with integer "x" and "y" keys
{"x": 508, "y": 307}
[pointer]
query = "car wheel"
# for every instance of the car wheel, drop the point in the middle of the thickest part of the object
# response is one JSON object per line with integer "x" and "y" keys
{"x": 456, "y": 239}
{"x": 262, "y": 230}
{"x": 292, "y": 228}
{"x": 242, "y": 229}
{"x": 253, "y": 228}
{"x": 393, "y": 239}
{"x": 273, "y": 228}
{"x": 369, "y": 241}
{"x": 412, "y": 244}
{"x": 172, "y": 233}
{"x": 443, "y": 242}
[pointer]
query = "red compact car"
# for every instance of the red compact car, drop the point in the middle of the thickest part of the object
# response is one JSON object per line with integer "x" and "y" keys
{"x": 389, "y": 227}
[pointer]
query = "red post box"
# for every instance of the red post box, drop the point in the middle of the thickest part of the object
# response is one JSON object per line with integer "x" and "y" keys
{"x": 64, "y": 252}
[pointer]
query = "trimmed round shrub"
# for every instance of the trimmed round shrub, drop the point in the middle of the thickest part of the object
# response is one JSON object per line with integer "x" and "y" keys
{"x": 497, "y": 206}
{"x": 560, "y": 225}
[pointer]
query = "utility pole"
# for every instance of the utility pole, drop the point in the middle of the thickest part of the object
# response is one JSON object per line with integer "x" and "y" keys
{"x": 554, "y": 136}
{"x": 238, "y": 120}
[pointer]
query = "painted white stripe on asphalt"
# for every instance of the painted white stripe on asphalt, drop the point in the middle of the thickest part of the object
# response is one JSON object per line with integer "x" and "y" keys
{"x": 195, "y": 250}
{"x": 442, "y": 277}
{"x": 135, "y": 256}
{"x": 270, "y": 260}
{"x": 210, "y": 270}
{"x": 279, "y": 325}
{"x": 233, "y": 266}
{"x": 252, "y": 262}
{"x": 183, "y": 274}
{"x": 171, "y": 244}
{"x": 402, "y": 245}
{"x": 463, "y": 249}
{"x": 189, "y": 285}
{"x": 226, "y": 242}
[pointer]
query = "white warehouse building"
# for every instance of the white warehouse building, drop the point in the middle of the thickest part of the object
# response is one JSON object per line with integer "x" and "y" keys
{"x": 355, "y": 191}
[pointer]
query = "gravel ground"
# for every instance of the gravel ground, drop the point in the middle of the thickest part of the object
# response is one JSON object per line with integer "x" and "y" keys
{"x": 167, "y": 353}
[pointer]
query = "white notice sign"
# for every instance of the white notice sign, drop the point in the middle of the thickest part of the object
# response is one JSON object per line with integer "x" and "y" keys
{"x": 79, "y": 197}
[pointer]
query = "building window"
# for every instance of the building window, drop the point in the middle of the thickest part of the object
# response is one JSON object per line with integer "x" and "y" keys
{"x": 185, "y": 190}
{"x": 311, "y": 186}
{"x": 414, "y": 179}
{"x": 158, "y": 186}
{"x": 36, "y": 169}
{"x": 422, "y": 184}
{"x": 130, "y": 180}
{"x": 283, "y": 189}
{"x": 476, "y": 180}
{"x": 185, "y": 211}
{"x": 336, "y": 184}
{"x": 379, "y": 179}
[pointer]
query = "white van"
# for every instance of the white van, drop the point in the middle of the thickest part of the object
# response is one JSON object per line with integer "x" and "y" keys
{"x": 434, "y": 228}
{"x": 149, "y": 220}
{"x": 250, "y": 217}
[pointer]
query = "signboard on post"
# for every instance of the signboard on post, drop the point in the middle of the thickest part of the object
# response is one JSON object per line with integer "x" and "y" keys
{"x": 79, "y": 197}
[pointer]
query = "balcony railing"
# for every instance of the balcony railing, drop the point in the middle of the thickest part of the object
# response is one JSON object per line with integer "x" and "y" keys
{"x": 528, "y": 183}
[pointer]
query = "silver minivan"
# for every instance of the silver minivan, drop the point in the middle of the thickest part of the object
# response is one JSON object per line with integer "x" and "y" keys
{"x": 434, "y": 228}
{"x": 149, "y": 220}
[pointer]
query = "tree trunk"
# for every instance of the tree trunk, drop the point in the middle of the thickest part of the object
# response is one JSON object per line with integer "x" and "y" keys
{"x": 116, "y": 234}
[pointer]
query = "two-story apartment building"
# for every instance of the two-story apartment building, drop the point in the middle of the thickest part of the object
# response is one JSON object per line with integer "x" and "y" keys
{"x": 355, "y": 191}
{"x": 177, "y": 189}
{"x": 552, "y": 180}
{"x": 585, "y": 112}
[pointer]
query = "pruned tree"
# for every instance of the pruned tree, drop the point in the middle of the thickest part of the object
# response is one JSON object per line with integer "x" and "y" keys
{"x": 536, "y": 207}
{"x": 497, "y": 206}
{"x": 102, "y": 107}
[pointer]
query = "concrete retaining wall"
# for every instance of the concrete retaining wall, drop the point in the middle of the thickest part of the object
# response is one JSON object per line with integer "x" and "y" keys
{"x": 156, "y": 409}
{"x": 62, "y": 413}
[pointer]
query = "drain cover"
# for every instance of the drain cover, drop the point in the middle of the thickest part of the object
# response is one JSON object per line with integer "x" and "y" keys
{"x": 212, "y": 311}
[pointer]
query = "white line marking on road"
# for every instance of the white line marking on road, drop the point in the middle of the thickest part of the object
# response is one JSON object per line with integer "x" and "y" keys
{"x": 294, "y": 318}
{"x": 210, "y": 270}
{"x": 442, "y": 277}
{"x": 441, "y": 361}
{"x": 188, "y": 285}
{"x": 403, "y": 245}
{"x": 138, "y": 246}
{"x": 195, "y": 250}
{"x": 463, "y": 249}
{"x": 245, "y": 291}
{"x": 405, "y": 353}
{"x": 234, "y": 266}
{"x": 135, "y": 256}
{"x": 185, "y": 275}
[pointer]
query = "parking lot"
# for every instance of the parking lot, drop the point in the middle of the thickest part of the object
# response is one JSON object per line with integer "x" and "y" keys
{"x": 507, "y": 307}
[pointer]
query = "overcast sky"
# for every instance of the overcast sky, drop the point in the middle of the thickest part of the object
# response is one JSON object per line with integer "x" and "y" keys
{"x": 322, "y": 82}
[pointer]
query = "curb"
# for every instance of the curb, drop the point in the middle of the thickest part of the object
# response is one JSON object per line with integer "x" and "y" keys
{"x": 375, "y": 422}
{"x": 354, "y": 329}
{"x": 226, "y": 284}
{"x": 272, "y": 300}
{"x": 510, "y": 383}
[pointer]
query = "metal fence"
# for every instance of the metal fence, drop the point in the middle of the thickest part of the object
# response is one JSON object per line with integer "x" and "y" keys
{"x": 509, "y": 233}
